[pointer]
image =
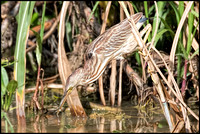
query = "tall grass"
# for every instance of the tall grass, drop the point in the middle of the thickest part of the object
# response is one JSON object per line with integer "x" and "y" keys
{"x": 24, "y": 19}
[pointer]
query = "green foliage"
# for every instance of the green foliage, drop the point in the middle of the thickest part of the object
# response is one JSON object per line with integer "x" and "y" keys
{"x": 34, "y": 20}
{"x": 5, "y": 62}
{"x": 24, "y": 19}
{"x": 68, "y": 126}
{"x": 8, "y": 89}
{"x": 3, "y": 2}
{"x": 135, "y": 7}
{"x": 146, "y": 11}
{"x": 8, "y": 96}
{"x": 190, "y": 25}
{"x": 94, "y": 8}
{"x": 161, "y": 5}
{"x": 4, "y": 81}
{"x": 195, "y": 13}
{"x": 68, "y": 34}
{"x": 40, "y": 38}
{"x": 7, "y": 121}
{"x": 177, "y": 13}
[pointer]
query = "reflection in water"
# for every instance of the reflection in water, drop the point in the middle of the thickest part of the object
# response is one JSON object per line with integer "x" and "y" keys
{"x": 21, "y": 127}
{"x": 101, "y": 125}
{"x": 129, "y": 120}
{"x": 113, "y": 125}
{"x": 39, "y": 124}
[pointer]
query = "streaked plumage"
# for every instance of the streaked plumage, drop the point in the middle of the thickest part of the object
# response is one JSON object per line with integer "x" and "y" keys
{"x": 112, "y": 44}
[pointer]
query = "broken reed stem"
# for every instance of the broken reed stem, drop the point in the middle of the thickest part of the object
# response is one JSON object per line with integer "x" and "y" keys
{"x": 101, "y": 77}
{"x": 106, "y": 17}
{"x": 154, "y": 75}
{"x": 176, "y": 37}
{"x": 130, "y": 7}
{"x": 173, "y": 81}
{"x": 177, "y": 93}
{"x": 64, "y": 67}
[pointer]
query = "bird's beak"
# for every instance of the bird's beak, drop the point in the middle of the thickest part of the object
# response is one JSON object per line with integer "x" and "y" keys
{"x": 141, "y": 22}
{"x": 64, "y": 99}
{"x": 143, "y": 19}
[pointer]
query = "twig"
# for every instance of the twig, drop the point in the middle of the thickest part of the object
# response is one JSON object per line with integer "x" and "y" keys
{"x": 52, "y": 28}
{"x": 49, "y": 86}
{"x": 175, "y": 84}
{"x": 154, "y": 76}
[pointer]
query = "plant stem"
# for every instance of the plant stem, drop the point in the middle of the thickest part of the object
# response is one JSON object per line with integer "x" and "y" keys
{"x": 184, "y": 78}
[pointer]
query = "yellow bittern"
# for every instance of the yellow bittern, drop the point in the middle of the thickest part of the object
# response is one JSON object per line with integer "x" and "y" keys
{"x": 114, "y": 43}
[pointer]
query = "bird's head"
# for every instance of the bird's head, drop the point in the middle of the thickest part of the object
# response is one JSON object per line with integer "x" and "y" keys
{"x": 75, "y": 79}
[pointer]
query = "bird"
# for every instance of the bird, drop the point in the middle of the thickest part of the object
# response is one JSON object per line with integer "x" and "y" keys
{"x": 114, "y": 43}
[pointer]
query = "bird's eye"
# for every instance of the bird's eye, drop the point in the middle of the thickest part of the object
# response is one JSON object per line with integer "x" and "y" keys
{"x": 88, "y": 56}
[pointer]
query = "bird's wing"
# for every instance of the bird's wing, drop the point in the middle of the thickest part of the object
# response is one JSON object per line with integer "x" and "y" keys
{"x": 112, "y": 39}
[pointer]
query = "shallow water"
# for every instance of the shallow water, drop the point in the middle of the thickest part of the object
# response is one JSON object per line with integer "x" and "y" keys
{"x": 129, "y": 120}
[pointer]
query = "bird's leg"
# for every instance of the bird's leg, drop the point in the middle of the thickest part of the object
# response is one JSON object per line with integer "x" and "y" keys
{"x": 113, "y": 81}
{"x": 120, "y": 83}
{"x": 101, "y": 90}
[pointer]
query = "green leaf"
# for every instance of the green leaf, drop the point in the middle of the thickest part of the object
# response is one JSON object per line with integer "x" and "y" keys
{"x": 160, "y": 33}
{"x": 42, "y": 23}
{"x": 161, "y": 6}
{"x": 2, "y": 114}
{"x": 38, "y": 47}
{"x": 168, "y": 27}
{"x": 178, "y": 18}
{"x": 24, "y": 19}
{"x": 194, "y": 54}
{"x": 134, "y": 6}
{"x": 195, "y": 13}
{"x": 11, "y": 87}
{"x": 151, "y": 9}
{"x": 40, "y": 38}
{"x": 34, "y": 17}
{"x": 6, "y": 118}
{"x": 137, "y": 57}
{"x": 68, "y": 126}
{"x": 190, "y": 26}
{"x": 68, "y": 34}
{"x": 180, "y": 44}
{"x": 163, "y": 18}
{"x": 181, "y": 7}
{"x": 4, "y": 81}
{"x": 94, "y": 8}
{"x": 146, "y": 11}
